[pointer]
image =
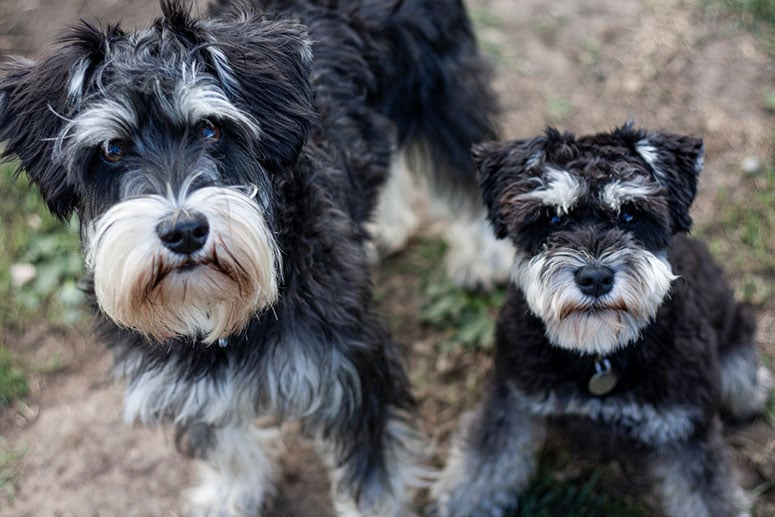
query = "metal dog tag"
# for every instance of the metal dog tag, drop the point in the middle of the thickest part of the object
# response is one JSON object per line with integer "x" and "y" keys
{"x": 604, "y": 379}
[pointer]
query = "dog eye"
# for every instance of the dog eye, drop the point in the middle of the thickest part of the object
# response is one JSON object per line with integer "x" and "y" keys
{"x": 627, "y": 218}
{"x": 113, "y": 151}
{"x": 555, "y": 220}
{"x": 209, "y": 132}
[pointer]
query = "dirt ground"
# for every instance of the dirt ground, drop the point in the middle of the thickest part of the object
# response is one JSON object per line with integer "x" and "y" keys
{"x": 582, "y": 64}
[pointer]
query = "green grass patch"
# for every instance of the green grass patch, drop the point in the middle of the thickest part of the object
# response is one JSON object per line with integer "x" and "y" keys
{"x": 37, "y": 242}
{"x": 583, "y": 496}
{"x": 9, "y": 458}
{"x": 750, "y": 12}
{"x": 462, "y": 317}
{"x": 742, "y": 235}
{"x": 13, "y": 380}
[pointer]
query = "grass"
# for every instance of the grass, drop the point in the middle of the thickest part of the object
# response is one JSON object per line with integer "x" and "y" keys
{"x": 548, "y": 496}
{"x": 9, "y": 457}
{"x": 750, "y": 12}
{"x": 742, "y": 235}
{"x": 13, "y": 380}
{"x": 461, "y": 317}
{"x": 40, "y": 243}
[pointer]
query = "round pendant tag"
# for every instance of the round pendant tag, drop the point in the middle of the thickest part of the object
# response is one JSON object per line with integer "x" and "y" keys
{"x": 602, "y": 383}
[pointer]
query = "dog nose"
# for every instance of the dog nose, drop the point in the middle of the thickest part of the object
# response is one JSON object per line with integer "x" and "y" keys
{"x": 184, "y": 233}
{"x": 595, "y": 280}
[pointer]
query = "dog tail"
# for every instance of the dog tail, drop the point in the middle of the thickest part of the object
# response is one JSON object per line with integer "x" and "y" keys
{"x": 434, "y": 85}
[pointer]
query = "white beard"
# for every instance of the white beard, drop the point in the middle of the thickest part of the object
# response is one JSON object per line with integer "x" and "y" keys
{"x": 209, "y": 295}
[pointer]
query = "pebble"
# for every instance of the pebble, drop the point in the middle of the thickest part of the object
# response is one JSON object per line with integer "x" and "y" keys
{"x": 21, "y": 273}
{"x": 751, "y": 165}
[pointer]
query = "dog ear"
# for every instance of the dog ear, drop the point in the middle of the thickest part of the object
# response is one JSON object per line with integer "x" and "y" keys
{"x": 675, "y": 161}
{"x": 264, "y": 66}
{"x": 501, "y": 167}
{"x": 36, "y": 100}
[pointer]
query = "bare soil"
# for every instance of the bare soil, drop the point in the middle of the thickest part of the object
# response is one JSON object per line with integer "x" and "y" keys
{"x": 582, "y": 65}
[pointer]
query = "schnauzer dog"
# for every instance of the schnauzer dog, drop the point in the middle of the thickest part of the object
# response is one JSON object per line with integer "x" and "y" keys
{"x": 224, "y": 169}
{"x": 616, "y": 323}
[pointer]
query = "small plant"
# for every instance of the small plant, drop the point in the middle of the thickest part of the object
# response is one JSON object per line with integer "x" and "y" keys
{"x": 749, "y": 224}
{"x": 47, "y": 250}
{"x": 750, "y": 12}
{"x": 464, "y": 318}
{"x": 547, "y": 496}
{"x": 13, "y": 381}
{"x": 9, "y": 457}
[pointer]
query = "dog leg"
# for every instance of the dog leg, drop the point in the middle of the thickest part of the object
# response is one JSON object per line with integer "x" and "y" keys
{"x": 386, "y": 491}
{"x": 697, "y": 479}
{"x": 237, "y": 476}
{"x": 745, "y": 384}
{"x": 476, "y": 259}
{"x": 492, "y": 459}
{"x": 395, "y": 219}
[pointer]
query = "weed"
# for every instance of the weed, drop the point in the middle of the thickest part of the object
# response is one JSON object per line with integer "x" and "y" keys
{"x": 749, "y": 12}
{"x": 9, "y": 457}
{"x": 38, "y": 242}
{"x": 13, "y": 381}
{"x": 746, "y": 223}
{"x": 464, "y": 318}
{"x": 547, "y": 496}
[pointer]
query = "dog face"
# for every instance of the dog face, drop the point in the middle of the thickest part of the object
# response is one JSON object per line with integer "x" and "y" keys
{"x": 168, "y": 143}
{"x": 591, "y": 220}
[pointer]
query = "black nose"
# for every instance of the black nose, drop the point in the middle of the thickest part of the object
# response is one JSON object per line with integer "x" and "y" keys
{"x": 595, "y": 280}
{"x": 184, "y": 233}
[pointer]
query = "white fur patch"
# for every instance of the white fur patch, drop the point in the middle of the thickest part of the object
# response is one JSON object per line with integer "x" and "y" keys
{"x": 239, "y": 476}
{"x": 476, "y": 258}
{"x": 745, "y": 385}
{"x": 644, "y": 422}
{"x": 143, "y": 286}
{"x": 559, "y": 189}
{"x": 584, "y": 323}
{"x": 651, "y": 156}
{"x": 195, "y": 99}
{"x": 617, "y": 192}
{"x": 158, "y": 393}
{"x": 101, "y": 122}
{"x": 395, "y": 219}
{"x": 76, "y": 81}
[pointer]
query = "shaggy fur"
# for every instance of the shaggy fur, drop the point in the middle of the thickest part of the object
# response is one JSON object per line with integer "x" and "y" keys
{"x": 223, "y": 170}
{"x": 605, "y": 275}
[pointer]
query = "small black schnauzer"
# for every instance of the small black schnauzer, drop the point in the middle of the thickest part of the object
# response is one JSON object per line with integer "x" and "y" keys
{"x": 616, "y": 323}
{"x": 224, "y": 169}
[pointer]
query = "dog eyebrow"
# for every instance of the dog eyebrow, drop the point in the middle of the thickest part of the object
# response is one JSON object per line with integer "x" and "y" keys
{"x": 558, "y": 188}
{"x": 107, "y": 120}
{"x": 618, "y": 192}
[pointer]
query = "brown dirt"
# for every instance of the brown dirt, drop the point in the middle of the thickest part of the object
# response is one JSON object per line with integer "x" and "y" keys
{"x": 586, "y": 66}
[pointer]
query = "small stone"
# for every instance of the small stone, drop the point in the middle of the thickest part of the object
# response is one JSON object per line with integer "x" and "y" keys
{"x": 751, "y": 165}
{"x": 22, "y": 273}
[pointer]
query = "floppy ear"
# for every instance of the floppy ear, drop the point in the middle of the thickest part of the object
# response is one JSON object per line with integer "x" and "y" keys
{"x": 501, "y": 167}
{"x": 264, "y": 66}
{"x": 36, "y": 99}
{"x": 675, "y": 161}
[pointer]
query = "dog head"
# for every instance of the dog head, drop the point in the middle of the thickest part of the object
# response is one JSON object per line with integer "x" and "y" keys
{"x": 167, "y": 143}
{"x": 591, "y": 219}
